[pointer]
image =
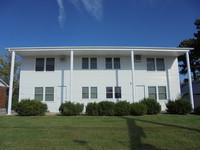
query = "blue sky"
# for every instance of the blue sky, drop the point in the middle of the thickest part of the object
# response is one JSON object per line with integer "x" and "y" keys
{"x": 156, "y": 23}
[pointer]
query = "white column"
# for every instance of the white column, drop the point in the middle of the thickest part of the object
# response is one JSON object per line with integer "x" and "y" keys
{"x": 133, "y": 76}
{"x": 71, "y": 73}
{"x": 190, "y": 79}
{"x": 11, "y": 83}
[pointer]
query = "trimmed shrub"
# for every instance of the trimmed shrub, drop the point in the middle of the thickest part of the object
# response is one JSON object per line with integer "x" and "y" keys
{"x": 29, "y": 107}
{"x": 197, "y": 110}
{"x": 153, "y": 107}
{"x": 71, "y": 109}
{"x": 92, "y": 109}
{"x": 122, "y": 108}
{"x": 180, "y": 106}
{"x": 106, "y": 108}
{"x": 172, "y": 107}
{"x": 138, "y": 109}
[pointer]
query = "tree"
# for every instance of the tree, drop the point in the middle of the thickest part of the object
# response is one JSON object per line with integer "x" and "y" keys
{"x": 5, "y": 65}
{"x": 193, "y": 54}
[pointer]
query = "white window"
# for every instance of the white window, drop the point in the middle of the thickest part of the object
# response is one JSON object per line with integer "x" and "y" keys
{"x": 47, "y": 64}
{"x": 118, "y": 92}
{"x": 39, "y": 93}
{"x": 109, "y": 92}
{"x": 155, "y": 64}
{"x": 85, "y": 92}
{"x": 89, "y": 63}
{"x": 162, "y": 92}
{"x": 112, "y": 63}
{"x": 152, "y": 92}
{"x": 93, "y": 92}
{"x": 157, "y": 92}
{"x": 49, "y": 93}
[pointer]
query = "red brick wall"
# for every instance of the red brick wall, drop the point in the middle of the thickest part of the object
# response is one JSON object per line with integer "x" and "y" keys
{"x": 2, "y": 97}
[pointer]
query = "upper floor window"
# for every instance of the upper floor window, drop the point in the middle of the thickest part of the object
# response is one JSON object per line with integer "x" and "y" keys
{"x": 50, "y": 64}
{"x": 112, "y": 63}
{"x": 47, "y": 64}
{"x": 89, "y": 63}
{"x": 155, "y": 64}
{"x": 39, "y": 64}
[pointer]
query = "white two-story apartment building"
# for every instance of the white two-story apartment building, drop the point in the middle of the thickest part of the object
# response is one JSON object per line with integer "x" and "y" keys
{"x": 55, "y": 75}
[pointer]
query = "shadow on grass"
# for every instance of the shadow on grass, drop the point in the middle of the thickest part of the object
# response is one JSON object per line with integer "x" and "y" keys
{"x": 136, "y": 134}
{"x": 83, "y": 143}
{"x": 169, "y": 125}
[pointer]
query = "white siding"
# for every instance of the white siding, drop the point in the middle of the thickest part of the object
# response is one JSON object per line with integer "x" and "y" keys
{"x": 101, "y": 78}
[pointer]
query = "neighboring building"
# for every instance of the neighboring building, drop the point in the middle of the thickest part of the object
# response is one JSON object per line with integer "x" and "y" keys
{"x": 196, "y": 92}
{"x": 55, "y": 75}
{"x": 3, "y": 94}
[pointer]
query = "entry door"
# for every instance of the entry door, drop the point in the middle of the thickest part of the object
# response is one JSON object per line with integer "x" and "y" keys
{"x": 140, "y": 92}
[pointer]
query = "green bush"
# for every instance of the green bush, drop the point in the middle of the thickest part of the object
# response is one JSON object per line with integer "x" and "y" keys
{"x": 122, "y": 108}
{"x": 106, "y": 108}
{"x": 71, "y": 109}
{"x": 197, "y": 110}
{"x": 29, "y": 107}
{"x": 138, "y": 109}
{"x": 153, "y": 107}
{"x": 180, "y": 106}
{"x": 172, "y": 107}
{"x": 92, "y": 109}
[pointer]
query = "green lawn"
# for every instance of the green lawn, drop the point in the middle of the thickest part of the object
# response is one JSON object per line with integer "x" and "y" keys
{"x": 157, "y": 132}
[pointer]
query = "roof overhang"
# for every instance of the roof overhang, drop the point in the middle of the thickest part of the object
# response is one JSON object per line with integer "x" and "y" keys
{"x": 100, "y": 50}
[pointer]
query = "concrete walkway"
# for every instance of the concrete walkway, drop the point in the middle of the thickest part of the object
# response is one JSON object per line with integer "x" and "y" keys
{"x": 3, "y": 112}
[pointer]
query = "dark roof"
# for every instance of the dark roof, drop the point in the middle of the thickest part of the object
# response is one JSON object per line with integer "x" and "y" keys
{"x": 195, "y": 86}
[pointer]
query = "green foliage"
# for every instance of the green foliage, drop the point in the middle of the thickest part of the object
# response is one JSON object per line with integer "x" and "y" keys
{"x": 122, "y": 108}
{"x": 92, "y": 109}
{"x": 172, "y": 107}
{"x": 197, "y": 110}
{"x": 5, "y": 64}
{"x": 179, "y": 106}
{"x": 106, "y": 108}
{"x": 138, "y": 109}
{"x": 71, "y": 109}
{"x": 194, "y": 54}
{"x": 29, "y": 107}
{"x": 153, "y": 107}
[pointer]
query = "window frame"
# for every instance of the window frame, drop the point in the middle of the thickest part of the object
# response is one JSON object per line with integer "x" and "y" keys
{"x": 85, "y": 93}
{"x": 49, "y": 94}
{"x": 51, "y": 65}
{"x": 92, "y": 93}
{"x": 118, "y": 94}
{"x": 156, "y": 68}
{"x": 162, "y": 93}
{"x": 45, "y": 64}
{"x": 37, "y": 65}
{"x": 39, "y": 94}
{"x": 107, "y": 92}
{"x": 152, "y": 92}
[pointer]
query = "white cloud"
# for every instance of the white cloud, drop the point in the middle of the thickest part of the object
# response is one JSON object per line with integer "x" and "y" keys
{"x": 61, "y": 17}
{"x": 94, "y": 7}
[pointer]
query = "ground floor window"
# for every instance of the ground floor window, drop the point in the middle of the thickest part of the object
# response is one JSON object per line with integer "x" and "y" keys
{"x": 109, "y": 92}
{"x": 157, "y": 92}
{"x": 89, "y": 92}
{"x": 85, "y": 92}
{"x": 47, "y": 94}
{"x": 93, "y": 92}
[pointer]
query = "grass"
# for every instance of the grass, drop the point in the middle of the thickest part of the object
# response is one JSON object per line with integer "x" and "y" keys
{"x": 156, "y": 132}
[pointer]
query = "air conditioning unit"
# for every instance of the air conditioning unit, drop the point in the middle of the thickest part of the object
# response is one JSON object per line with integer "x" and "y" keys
{"x": 62, "y": 58}
{"x": 137, "y": 58}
